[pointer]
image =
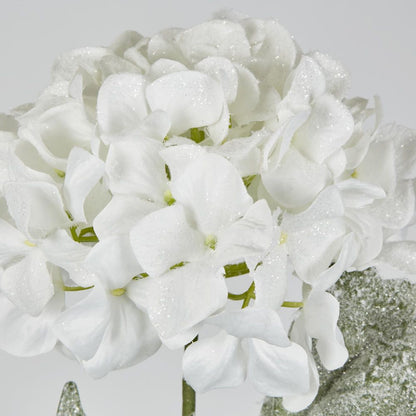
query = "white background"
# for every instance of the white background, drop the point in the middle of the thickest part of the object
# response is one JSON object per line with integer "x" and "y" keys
{"x": 374, "y": 39}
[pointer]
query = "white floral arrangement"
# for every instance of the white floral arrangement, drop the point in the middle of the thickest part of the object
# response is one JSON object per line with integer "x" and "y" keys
{"x": 152, "y": 175}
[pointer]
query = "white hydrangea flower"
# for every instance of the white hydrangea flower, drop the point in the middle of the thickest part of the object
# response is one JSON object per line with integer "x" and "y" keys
{"x": 106, "y": 330}
{"x": 146, "y": 174}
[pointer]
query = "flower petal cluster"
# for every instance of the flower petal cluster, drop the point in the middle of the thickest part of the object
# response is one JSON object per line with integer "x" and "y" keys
{"x": 152, "y": 175}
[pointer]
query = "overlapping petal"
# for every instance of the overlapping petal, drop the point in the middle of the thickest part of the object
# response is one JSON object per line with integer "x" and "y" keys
{"x": 82, "y": 174}
{"x": 185, "y": 296}
{"x": 28, "y": 283}
{"x": 128, "y": 339}
{"x": 214, "y": 38}
{"x": 278, "y": 371}
{"x": 190, "y": 98}
{"x": 164, "y": 239}
{"x": 214, "y": 362}
{"x": 36, "y": 207}
{"x": 121, "y": 104}
{"x": 25, "y": 335}
{"x": 321, "y": 315}
{"x": 134, "y": 167}
{"x": 214, "y": 192}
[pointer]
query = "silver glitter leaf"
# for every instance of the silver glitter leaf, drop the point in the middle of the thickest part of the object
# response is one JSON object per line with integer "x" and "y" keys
{"x": 377, "y": 319}
{"x": 70, "y": 403}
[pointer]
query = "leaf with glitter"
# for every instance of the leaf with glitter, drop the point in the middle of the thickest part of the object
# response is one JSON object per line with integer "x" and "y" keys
{"x": 378, "y": 322}
{"x": 70, "y": 403}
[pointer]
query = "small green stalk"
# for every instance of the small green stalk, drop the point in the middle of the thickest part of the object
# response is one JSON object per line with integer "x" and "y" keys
{"x": 188, "y": 393}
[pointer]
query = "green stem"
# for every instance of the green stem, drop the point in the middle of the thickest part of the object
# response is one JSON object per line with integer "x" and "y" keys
{"x": 240, "y": 296}
{"x": 82, "y": 237}
{"x": 76, "y": 288}
{"x": 188, "y": 393}
{"x": 292, "y": 304}
{"x": 250, "y": 294}
{"x": 188, "y": 399}
{"x": 233, "y": 270}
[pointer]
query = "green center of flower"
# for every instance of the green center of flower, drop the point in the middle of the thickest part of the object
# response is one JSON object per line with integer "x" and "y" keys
{"x": 283, "y": 238}
{"x": 169, "y": 199}
{"x": 60, "y": 173}
{"x": 118, "y": 292}
{"x": 211, "y": 241}
{"x": 29, "y": 243}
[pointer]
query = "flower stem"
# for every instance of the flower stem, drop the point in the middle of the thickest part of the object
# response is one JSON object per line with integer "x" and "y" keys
{"x": 188, "y": 393}
{"x": 188, "y": 399}
{"x": 292, "y": 305}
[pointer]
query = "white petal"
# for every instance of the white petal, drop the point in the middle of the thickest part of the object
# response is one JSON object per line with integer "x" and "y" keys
{"x": 337, "y": 78}
{"x": 165, "y": 66}
{"x": 249, "y": 236}
{"x": 24, "y": 163}
{"x": 266, "y": 108}
{"x": 128, "y": 339}
{"x": 296, "y": 181}
{"x": 218, "y": 131}
{"x": 260, "y": 323}
{"x": 337, "y": 163}
{"x": 223, "y": 71}
{"x": 163, "y": 45}
{"x": 296, "y": 403}
{"x": 28, "y": 283}
{"x": 329, "y": 126}
{"x": 248, "y": 93}
{"x": 179, "y": 157}
{"x": 121, "y": 104}
{"x": 378, "y": 166}
{"x": 275, "y": 42}
{"x": 185, "y": 296}
{"x": 56, "y": 129}
{"x": 113, "y": 261}
{"x": 156, "y": 126}
{"x": 279, "y": 142}
{"x": 182, "y": 338}
{"x": 83, "y": 172}
{"x": 137, "y": 58}
{"x": 164, "y": 238}
{"x": 397, "y": 209}
{"x": 321, "y": 315}
{"x": 278, "y": 371}
{"x": 243, "y": 153}
{"x": 304, "y": 84}
{"x": 214, "y": 362}
{"x": 405, "y": 152}
{"x": 81, "y": 327}
{"x": 270, "y": 278}
{"x": 212, "y": 188}
{"x": 356, "y": 194}
{"x": 397, "y": 260}
{"x": 327, "y": 205}
{"x": 134, "y": 167}
{"x": 11, "y": 244}
{"x": 138, "y": 290}
{"x": 369, "y": 234}
{"x": 121, "y": 214}
{"x": 68, "y": 63}
{"x": 96, "y": 200}
{"x": 314, "y": 237}
{"x": 347, "y": 256}
{"x": 312, "y": 250}
{"x": 191, "y": 99}
{"x": 36, "y": 207}
{"x": 25, "y": 335}
{"x": 214, "y": 38}
{"x": 63, "y": 251}
{"x": 124, "y": 41}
